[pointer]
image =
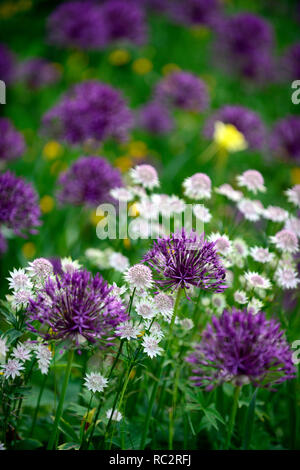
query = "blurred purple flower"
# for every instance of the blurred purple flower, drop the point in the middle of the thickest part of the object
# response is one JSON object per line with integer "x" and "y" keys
{"x": 19, "y": 208}
{"x": 37, "y": 73}
{"x": 195, "y": 12}
{"x": 77, "y": 24}
{"x": 88, "y": 182}
{"x": 242, "y": 348}
{"x": 285, "y": 138}
{"x": 184, "y": 260}
{"x": 91, "y": 111}
{"x": 155, "y": 118}
{"x": 76, "y": 306}
{"x": 245, "y": 120}
{"x": 289, "y": 65}
{"x": 12, "y": 144}
{"x": 7, "y": 64}
{"x": 183, "y": 90}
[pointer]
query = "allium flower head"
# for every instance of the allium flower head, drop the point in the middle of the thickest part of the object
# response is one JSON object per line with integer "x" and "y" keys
{"x": 139, "y": 276}
{"x": 37, "y": 73}
{"x": 90, "y": 112}
{"x": 7, "y": 64}
{"x": 197, "y": 186}
{"x": 88, "y": 182}
{"x": 195, "y": 12}
{"x": 146, "y": 175}
{"x": 19, "y": 204}
{"x": 77, "y": 305}
{"x": 241, "y": 347}
{"x": 252, "y": 180}
{"x": 285, "y": 138}
{"x": 12, "y": 144}
{"x": 293, "y": 195}
{"x": 246, "y": 121}
{"x": 77, "y": 24}
{"x": 95, "y": 382}
{"x": 155, "y": 118}
{"x": 183, "y": 90}
{"x": 182, "y": 261}
{"x": 285, "y": 240}
{"x": 290, "y": 62}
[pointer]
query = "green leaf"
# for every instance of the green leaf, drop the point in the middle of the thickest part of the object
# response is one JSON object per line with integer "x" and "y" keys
{"x": 28, "y": 444}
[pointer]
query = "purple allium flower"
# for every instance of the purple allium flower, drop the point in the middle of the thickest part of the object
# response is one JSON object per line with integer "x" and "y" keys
{"x": 3, "y": 244}
{"x": 195, "y": 12}
{"x": 290, "y": 63}
{"x": 19, "y": 208}
{"x": 77, "y": 24}
{"x": 124, "y": 20}
{"x": 245, "y": 44}
{"x": 12, "y": 144}
{"x": 37, "y": 73}
{"x": 91, "y": 111}
{"x": 88, "y": 181}
{"x": 183, "y": 90}
{"x": 242, "y": 348}
{"x": 56, "y": 263}
{"x": 184, "y": 260}
{"x": 285, "y": 138}
{"x": 245, "y": 120}
{"x": 155, "y": 118}
{"x": 7, "y": 64}
{"x": 76, "y": 305}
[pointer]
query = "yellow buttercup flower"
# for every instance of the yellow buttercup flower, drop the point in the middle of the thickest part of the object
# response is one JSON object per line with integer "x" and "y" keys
{"x": 29, "y": 250}
{"x": 295, "y": 175}
{"x": 123, "y": 163}
{"x": 133, "y": 210}
{"x": 47, "y": 204}
{"x": 138, "y": 149}
{"x": 119, "y": 57}
{"x": 229, "y": 138}
{"x": 127, "y": 243}
{"x": 95, "y": 219}
{"x": 52, "y": 150}
{"x": 142, "y": 66}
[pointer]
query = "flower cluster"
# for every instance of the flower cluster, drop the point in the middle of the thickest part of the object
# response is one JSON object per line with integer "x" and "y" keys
{"x": 12, "y": 144}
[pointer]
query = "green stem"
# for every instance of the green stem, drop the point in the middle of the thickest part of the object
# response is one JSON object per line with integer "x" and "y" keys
{"x": 172, "y": 411}
{"x": 232, "y": 416}
{"x": 249, "y": 422}
{"x": 156, "y": 384}
{"x": 59, "y": 410}
{"x": 36, "y": 411}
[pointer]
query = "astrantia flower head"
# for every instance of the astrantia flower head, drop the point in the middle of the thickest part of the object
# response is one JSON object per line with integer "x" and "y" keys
{"x": 197, "y": 186}
{"x": 88, "y": 181}
{"x": 155, "y": 118}
{"x": 202, "y": 213}
{"x": 121, "y": 194}
{"x": 114, "y": 415}
{"x": 285, "y": 240}
{"x": 119, "y": 262}
{"x": 19, "y": 280}
{"x": 40, "y": 269}
{"x": 256, "y": 280}
{"x": 128, "y": 330}
{"x": 76, "y": 305}
{"x": 164, "y": 304}
{"x": 12, "y": 369}
{"x": 183, "y": 261}
{"x": 90, "y": 112}
{"x": 21, "y": 353}
{"x": 12, "y": 143}
{"x": 286, "y": 277}
{"x": 2, "y": 446}
{"x": 293, "y": 195}
{"x": 95, "y": 382}
{"x": 139, "y": 276}
{"x": 150, "y": 345}
{"x": 228, "y": 137}
{"x": 285, "y": 138}
{"x": 240, "y": 297}
{"x": 3, "y": 348}
{"x": 19, "y": 204}
{"x": 293, "y": 224}
{"x": 255, "y": 306}
{"x": 44, "y": 355}
{"x": 69, "y": 266}
{"x": 276, "y": 214}
{"x": 228, "y": 191}
{"x": 252, "y": 180}
{"x": 261, "y": 255}
{"x": 146, "y": 308}
{"x": 241, "y": 347}
{"x": 146, "y": 175}
{"x": 246, "y": 121}
{"x": 251, "y": 210}
{"x": 20, "y": 298}
{"x": 222, "y": 243}
{"x": 183, "y": 90}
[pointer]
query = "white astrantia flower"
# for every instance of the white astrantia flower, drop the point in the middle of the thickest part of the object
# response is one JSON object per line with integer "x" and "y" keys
{"x": 20, "y": 298}
{"x": 286, "y": 277}
{"x": 119, "y": 262}
{"x": 44, "y": 356}
{"x": 146, "y": 175}
{"x": 114, "y": 415}
{"x": 128, "y": 330}
{"x": 118, "y": 291}
{"x": 293, "y": 195}
{"x": 70, "y": 266}
{"x": 205, "y": 301}
{"x": 147, "y": 208}
{"x": 21, "y": 352}
{"x": 254, "y": 306}
{"x": 293, "y": 224}
{"x": 145, "y": 307}
{"x": 95, "y": 382}
{"x": 3, "y": 348}
{"x": 229, "y": 192}
{"x": 222, "y": 243}
{"x": 2, "y": 446}
{"x": 240, "y": 297}
{"x": 276, "y": 214}
{"x": 164, "y": 304}
{"x": 252, "y": 180}
{"x": 229, "y": 278}
{"x": 285, "y": 240}
{"x": 176, "y": 204}
{"x": 202, "y": 213}
{"x": 240, "y": 247}
{"x": 187, "y": 324}
{"x": 121, "y": 194}
{"x": 151, "y": 345}
{"x": 139, "y": 276}
{"x": 99, "y": 258}
{"x": 12, "y": 369}
{"x": 40, "y": 269}
{"x": 197, "y": 186}
{"x": 255, "y": 280}
{"x": 261, "y": 255}
{"x": 250, "y": 209}
{"x": 19, "y": 280}
{"x": 154, "y": 328}
{"x": 219, "y": 302}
